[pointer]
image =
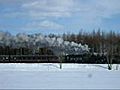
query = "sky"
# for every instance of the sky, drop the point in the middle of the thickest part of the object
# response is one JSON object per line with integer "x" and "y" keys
{"x": 59, "y": 16}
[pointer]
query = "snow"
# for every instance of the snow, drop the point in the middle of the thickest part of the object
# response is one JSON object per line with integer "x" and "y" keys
{"x": 50, "y": 76}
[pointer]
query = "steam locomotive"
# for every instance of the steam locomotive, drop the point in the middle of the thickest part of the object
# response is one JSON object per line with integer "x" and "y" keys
{"x": 44, "y": 55}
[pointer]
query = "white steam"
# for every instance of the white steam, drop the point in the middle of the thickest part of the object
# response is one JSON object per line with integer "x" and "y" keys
{"x": 56, "y": 44}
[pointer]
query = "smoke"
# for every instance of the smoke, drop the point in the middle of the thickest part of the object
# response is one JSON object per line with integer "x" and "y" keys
{"x": 35, "y": 41}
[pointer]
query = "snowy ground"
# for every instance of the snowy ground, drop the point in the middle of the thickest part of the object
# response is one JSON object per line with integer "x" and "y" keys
{"x": 49, "y": 76}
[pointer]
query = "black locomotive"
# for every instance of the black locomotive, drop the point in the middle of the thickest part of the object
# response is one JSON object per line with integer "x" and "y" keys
{"x": 44, "y": 55}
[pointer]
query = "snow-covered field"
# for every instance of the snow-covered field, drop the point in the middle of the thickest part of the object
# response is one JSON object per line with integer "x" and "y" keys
{"x": 50, "y": 76}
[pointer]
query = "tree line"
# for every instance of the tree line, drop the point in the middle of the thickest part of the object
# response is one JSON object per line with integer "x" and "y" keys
{"x": 99, "y": 42}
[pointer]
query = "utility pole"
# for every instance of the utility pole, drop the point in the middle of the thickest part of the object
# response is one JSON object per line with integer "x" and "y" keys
{"x": 60, "y": 59}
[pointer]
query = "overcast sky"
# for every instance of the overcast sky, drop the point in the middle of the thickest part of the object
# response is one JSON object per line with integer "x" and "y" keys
{"x": 59, "y": 16}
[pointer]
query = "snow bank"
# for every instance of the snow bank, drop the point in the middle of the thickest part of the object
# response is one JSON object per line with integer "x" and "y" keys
{"x": 55, "y": 67}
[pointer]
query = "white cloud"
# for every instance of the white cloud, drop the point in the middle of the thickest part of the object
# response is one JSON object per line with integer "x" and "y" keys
{"x": 35, "y": 25}
{"x": 65, "y": 8}
{"x": 62, "y": 8}
{"x": 51, "y": 25}
{"x": 49, "y": 8}
{"x": 88, "y": 12}
{"x": 46, "y": 24}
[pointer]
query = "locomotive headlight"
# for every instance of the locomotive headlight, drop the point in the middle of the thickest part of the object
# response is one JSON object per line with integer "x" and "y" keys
{"x": 6, "y": 57}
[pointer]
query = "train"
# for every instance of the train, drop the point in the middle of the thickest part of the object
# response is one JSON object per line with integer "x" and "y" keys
{"x": 44, "y": 55}
{"x": 29, "y": 59}
{"x": 84, "y": 59}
